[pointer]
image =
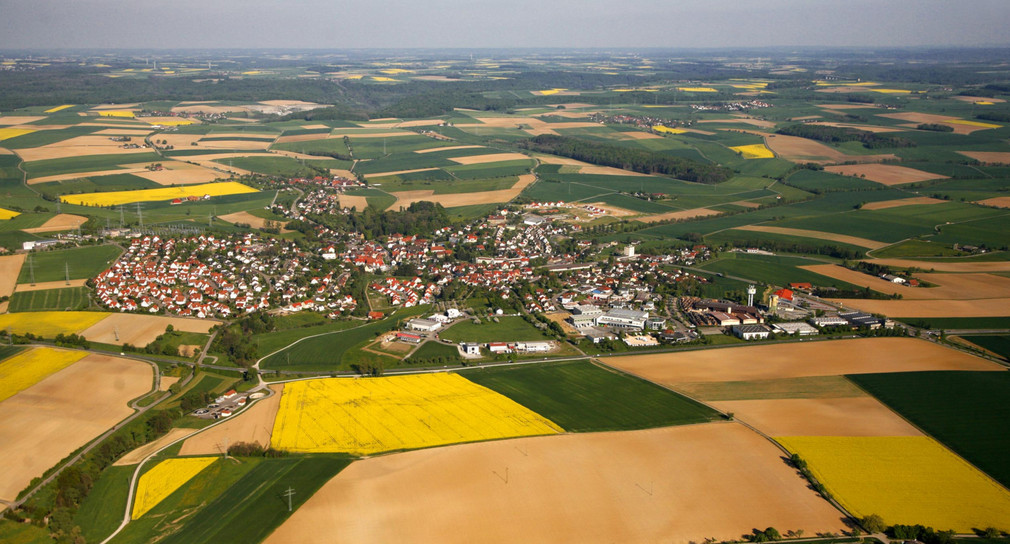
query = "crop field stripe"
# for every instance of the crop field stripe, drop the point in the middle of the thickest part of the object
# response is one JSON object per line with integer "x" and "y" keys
{"x": 163, "y": 479}
{"x": 74, "y": 298}
{"x": 29, "y": 368}
{"x": 585, "y": 397}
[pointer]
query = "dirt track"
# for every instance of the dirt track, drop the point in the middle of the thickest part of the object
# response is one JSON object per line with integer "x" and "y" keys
{"x": 677, "y": 484}
{"x": 48, "y": 421}
{"x": 822, "y": 358}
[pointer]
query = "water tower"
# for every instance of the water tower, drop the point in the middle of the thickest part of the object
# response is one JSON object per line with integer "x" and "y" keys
{"x": 751, "y": 291}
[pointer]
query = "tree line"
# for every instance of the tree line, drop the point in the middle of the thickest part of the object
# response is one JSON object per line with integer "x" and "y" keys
{"x": 646, "y": 162}
{"x": 822, "y": 133}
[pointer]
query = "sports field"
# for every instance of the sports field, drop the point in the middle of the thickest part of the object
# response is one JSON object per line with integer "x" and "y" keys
{"x": 370, "y": 415}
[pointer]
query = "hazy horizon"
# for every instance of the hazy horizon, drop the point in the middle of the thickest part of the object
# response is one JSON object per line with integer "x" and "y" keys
{"x": 484, "y": 24}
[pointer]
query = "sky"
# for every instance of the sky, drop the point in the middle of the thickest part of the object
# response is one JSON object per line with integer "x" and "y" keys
{"x": 352, "y": 24}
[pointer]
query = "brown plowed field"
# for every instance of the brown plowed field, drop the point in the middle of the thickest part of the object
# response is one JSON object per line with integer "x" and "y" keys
{"x": 450, "y": 148}
{"x": 180, "y": 173}
{"x": 63, "y": 221}
{"x": 914, "y": 201}
{"x": 797, "y": 149}
{"x": 608, "y": 171}
{"x": 682, "y": 214}
{"x": 78, "y": 147}
{"x": 677, "y": 484}
{"x": 860, "y": 416}
{"x": 141, "y": 330}
{"x": 821, "y": 358}
{"x": 992, "y": 157}
{"x": 10, "y": 268}
{"x": 999, "y": 202}
{"x": 494, "y": 157}
{"x": 964, "y": 286}
{"x": 820, "y": 235}
{"x": 44, "y": 285}
{"x": 254, "y": 424}
{"x": 994, "y": 307}
{"x": 249, "y": 219}
{"x": 358, "y": 202}
{"x": 138, "y": 455}
{"x": 19, "y": 119}
{"x": 916, "y": 119}
{"x": 49, "y": 420}
{"x": 811, "y": 387}
{"x": 947, "y": 265}
{"x": 450, "y": 200}
{"x": 886, "y": 174}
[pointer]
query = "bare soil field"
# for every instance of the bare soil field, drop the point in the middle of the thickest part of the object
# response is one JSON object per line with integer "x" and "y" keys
{"x": 495, "y": 157}
{"x": 78, "y": 147}
{"x": 973, "y": 99}
{"x": 304, "y": 138}
{"x": 358, "y": 202}
{"x": 10, "y": 268}
{"x": 797, "y": 149}
{"x": 995, "y": 307}
{"x": 255, "y": 424}
{"x": 642, "y": 136}
{"x": 867, "y": 128}
{"x": 989, "y": 157}
{"x": 916, "y": 119}
{"x": 166, "y": 382}
{"x": 746, "y": 204}
{"x": 179, "y": 141}
{"x": 859, "y": 416}
{"x": 450, "y": 148}
{"x": 532, "y": 125}
{"x": 133, "y": 106}
{"x": 49, "y": 420}
{"x": 42, "y": 286}
{"x": 398, "y": 172}
{"x": 420, "y": 123}
{"x": 563, "y": 161}
{"x": 886, "y": 174}
{"x": 811, "y": 387}
{"x": 377, "y": 134}
{"x": 188, "y": 350}
{"x": 948, "y": 265}
{"x": 406, "y": 198}
{"x": 63, "y": 221}
{"x": 820, "y": 235}
{"x": 559, "y": 318}
{"x": 914, "y": 201}
{"x": 141, "y": 330}
{"x": 206, "y": 108}
{"x": 964, "y": 286}
{"x": 613, "y": 210}
{"x": 79, "y": 175}
{"x": 124, "y": 132}
{"x": 746, "y": 120}
{"x": 234, "y": 144}
{"x": 6, "y": 120}
{"x": 608, "y": 171}
{"x": 998, "y": 202}
{"x": 682, "y": 214}
{"x": 179, "y": 173}
{"x": 138, "y": 455}
{"x": 677, "y": 484}
{"x": 822, "y": 358}
{"x": 247, "y": 218}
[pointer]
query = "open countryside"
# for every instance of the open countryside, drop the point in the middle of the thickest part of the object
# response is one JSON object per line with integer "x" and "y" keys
{"x": 368, "y": 296}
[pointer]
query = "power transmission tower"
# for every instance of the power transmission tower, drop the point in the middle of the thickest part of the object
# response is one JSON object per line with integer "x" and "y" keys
{"x": 66, "y": 270}
{"x": 58, "y": 204}
{"x": 140, "y": 215}
{"x": 121, "y": 221}
{"x": 289, "y": 493}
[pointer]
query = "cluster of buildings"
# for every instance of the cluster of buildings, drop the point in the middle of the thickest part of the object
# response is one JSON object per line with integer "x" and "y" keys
{"x": 211, "y": 276}
{"x": 732, "y": 106}
{"x": 406, "y": 293}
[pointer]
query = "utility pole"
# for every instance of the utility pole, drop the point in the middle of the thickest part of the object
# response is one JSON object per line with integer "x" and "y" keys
{"x": 58, "y": 204}
{"x": 66, "y": 270}
{"x": 140, "y": 215}
{"x": 289, "y": 493}
{"x": 122, "y": 223}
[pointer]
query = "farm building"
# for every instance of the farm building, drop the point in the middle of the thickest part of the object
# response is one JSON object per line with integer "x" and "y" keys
{"x": 409, "y": 338}
{"x": 534, "y": 347}
{"x": 751, "y": 332}
{"x": 470, "y": 350}
{"x": 798, "y": 328}
{"x": 423, "y": 325}
{"x": 622, "y": 318}
{"x": 499, "y": 347}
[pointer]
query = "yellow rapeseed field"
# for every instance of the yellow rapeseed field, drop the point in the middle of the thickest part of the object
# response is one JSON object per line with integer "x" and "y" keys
{"x": 58, "y": 108}
{"x": 754, "y": 151}
{"x": 30, "y": 367}
{"x": 891, "y": 91}
{"x": 49, "y": 324}
{"x": 905, "y": 480}
{"x": 668, "y": 130}
{"x": 166, "y": 193}
{"x": 974, "y": 123}
{"x": 116, "y": 113}
{"x": 6, "y": 133}
{"x": 698, "y": 89}
{"x": 383, "y": 78}
{"x": 546, "y": 92}
{"x": 370, "y": 415}
{"x": 162, "y": 480}
{"x": 7, "y": 214}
